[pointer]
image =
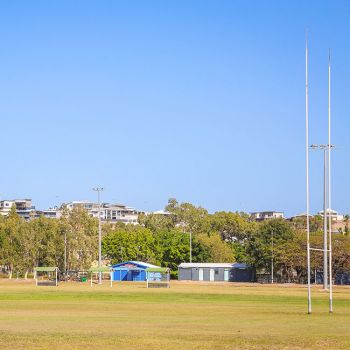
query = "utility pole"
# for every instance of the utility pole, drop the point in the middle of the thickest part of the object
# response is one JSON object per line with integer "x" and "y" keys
{"x": 99, "y": 190}
{"x": 272, "y": 257}
{"x": 190, "y": 246}
{"x": 65, "y": 255}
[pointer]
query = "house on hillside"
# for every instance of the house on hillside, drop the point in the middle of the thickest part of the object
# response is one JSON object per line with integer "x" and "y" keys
{"x": 266, "y": 215}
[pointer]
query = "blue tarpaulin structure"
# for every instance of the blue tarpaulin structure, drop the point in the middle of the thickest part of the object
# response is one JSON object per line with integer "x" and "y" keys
{"x": 134, "y": 271}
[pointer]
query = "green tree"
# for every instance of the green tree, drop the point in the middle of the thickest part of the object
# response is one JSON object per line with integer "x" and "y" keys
{"x": 219, "y": 251}
{"x": 232, "y": 226}
{"x": 10, "y": 241}
{"x": 259, "y": 244}
{"x": 156, "y": 222}
{"x": 172, "y": 248}
{"x": 129, "y": 243}
{"x": 316, "y": 223}
{"x": 189, "y": 217}
{"x": 81, "y": 232}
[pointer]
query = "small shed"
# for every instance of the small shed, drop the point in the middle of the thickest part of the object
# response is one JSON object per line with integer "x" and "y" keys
{"x": 134, "y": 271}
{"x": 101, "y": 270}
{"x": 158, "y": 277}
{"x": 224, "y": 272}
{"x": 51, "y": 273}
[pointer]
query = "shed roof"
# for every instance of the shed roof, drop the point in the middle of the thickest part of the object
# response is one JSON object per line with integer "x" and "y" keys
{"x": 158, "y": 269}
{"x": 241, "y": 266}
{"x": 100, "y": 269}
{"x": 200, "y": 265}
{"x": 214, "y": 265}
{"x": 137, "y": 263}
{"x": 45, "y": 268}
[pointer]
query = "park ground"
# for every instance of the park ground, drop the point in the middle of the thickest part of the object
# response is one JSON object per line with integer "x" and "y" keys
{"x": 187, "y": 316}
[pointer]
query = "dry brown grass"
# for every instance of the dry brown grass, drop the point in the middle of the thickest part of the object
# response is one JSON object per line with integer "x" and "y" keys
{"x": 187, "y": 316}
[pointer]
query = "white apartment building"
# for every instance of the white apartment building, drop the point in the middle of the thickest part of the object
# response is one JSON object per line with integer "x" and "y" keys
{"x": 160, "y": 212}
{"x": 266, "y": 215}
{"x": 108, "y": 212}
{"x": 51, "y": 213}
{"x": 333, "y": 214}
{"x": 24, "y": 207}
{"x": 26, "y": 210}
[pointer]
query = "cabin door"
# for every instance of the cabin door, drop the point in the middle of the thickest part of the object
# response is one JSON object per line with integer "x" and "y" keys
{"x": 200, "y": 275}
{"x": 226, "y": 275}
{"x": 211, "y": 274}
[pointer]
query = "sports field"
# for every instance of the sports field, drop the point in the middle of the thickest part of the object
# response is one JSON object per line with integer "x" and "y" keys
{"x": 186, "y": 316}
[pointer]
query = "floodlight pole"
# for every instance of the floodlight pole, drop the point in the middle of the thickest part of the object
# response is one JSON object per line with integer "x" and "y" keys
{"x": 99, "y": 190}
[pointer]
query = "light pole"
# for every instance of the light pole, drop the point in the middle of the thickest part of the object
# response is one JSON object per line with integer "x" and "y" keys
{"x": 99, "y": 190}
{"x": 272, "y": 257}
{"x": 65, "y": 255}
{"x": 190, "y": 246}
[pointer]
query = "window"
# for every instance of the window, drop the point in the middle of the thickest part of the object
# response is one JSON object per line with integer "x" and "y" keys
{"x": 216, "y": 271}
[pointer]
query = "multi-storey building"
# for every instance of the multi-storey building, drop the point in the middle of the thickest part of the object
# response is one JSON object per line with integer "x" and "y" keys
{"x": 266, "y": 215}
{"x": 26, "y": 210}
{"x": 108, "y": 212}
{"x": 24, "y": 207}
{"x": 335, "y": 216}
{"x": 119, "y": 213}
{"x": 51, "y": 213}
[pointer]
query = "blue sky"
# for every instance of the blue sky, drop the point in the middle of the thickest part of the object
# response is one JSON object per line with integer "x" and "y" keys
{"x": 198, "y": 100}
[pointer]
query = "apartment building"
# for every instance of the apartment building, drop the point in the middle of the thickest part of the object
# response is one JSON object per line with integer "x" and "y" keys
{"x": 335, "y": 216}
{"x": 24, "y": 207}
{"x": 266, "y": 215}
{"x": 108, "y": 212}
{"x": 119, "y": 213}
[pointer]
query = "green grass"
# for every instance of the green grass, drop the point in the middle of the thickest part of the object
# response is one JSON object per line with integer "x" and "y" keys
{"x": 187, "y": 316}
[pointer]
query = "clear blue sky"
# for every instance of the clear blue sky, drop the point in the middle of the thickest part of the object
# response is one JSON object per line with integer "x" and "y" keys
{"x": 198, "y": 100}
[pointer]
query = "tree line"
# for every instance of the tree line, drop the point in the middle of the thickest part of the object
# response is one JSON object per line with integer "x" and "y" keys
{"x": 70, "y": 242}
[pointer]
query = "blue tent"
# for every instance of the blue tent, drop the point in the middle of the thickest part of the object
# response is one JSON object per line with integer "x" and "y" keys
{"x": 131, "y": 271}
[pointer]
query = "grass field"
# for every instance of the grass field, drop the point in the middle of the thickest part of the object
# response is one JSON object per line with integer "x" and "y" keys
{"x": 187, "y": 316}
